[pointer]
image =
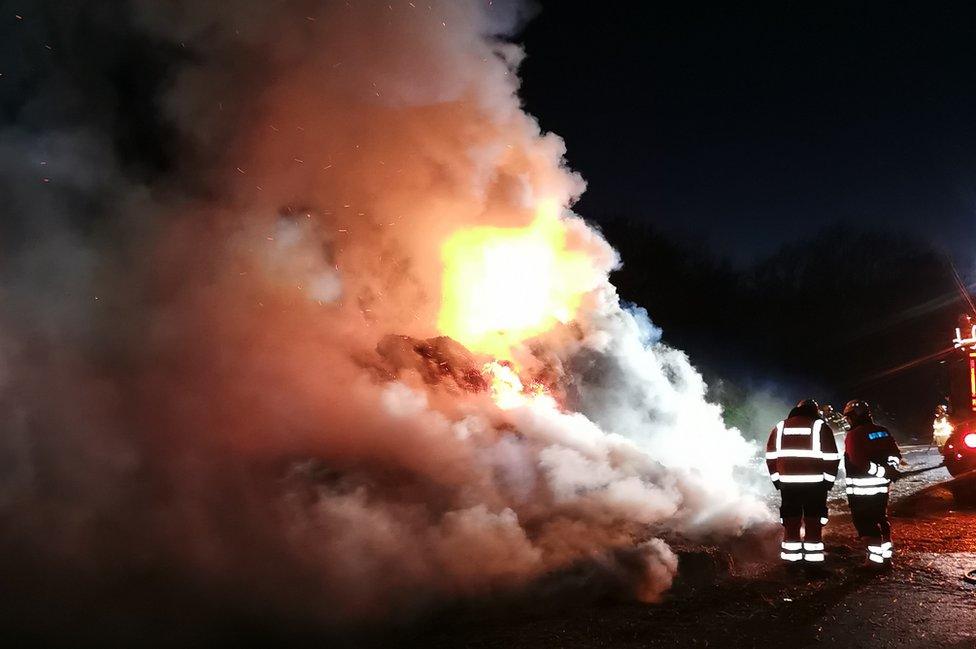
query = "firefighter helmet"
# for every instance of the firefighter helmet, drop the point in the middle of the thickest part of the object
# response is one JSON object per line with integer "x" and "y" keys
{"x": 857, "y": 411}
{"x": 807, "y": 408}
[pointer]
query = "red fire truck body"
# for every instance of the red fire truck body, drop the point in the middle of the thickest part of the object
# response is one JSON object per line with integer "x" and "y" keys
{"x": 959, "y": 449}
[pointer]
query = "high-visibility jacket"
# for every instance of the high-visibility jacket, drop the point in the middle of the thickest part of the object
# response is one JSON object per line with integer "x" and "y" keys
{"x": 802, "y": 450}
{"x": 869, "y": 449}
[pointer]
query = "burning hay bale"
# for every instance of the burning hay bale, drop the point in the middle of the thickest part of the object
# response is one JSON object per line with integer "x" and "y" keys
{"x": 439, "y": 361}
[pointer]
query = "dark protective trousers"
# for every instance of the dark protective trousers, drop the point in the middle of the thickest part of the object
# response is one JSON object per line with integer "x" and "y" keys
{"x": 870, "y": 515}
{"x": 803, "y": 506}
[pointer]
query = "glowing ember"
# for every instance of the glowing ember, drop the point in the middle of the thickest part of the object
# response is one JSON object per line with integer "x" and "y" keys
{"x": 507, "y": 389}
{"x": 502, "y": 286}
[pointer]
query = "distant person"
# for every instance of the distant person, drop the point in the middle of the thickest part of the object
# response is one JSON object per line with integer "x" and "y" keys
{"x": 802, "y": 459}
{"x": 871, "y": 460}
{"x": 835, "y": 419}
{"x": 941, "y": 426}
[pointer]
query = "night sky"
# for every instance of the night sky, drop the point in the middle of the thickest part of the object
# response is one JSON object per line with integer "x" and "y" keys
{"x": 746, "y": 127}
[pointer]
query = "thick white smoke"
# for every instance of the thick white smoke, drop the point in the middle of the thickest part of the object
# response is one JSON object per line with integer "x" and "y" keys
{"x": 236, "y": 361}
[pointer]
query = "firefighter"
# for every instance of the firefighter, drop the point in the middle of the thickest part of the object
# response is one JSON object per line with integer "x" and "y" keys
{"x": 802, "y": 459}
{"x": 834, "y": 419}
{"x": 941, "y": 426}
{"x": 871, "y": 460}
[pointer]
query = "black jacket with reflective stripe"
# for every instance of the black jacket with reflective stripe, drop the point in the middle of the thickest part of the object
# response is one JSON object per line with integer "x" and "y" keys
{"x": 869, "y": 452}
{"x": 802, "y": 450}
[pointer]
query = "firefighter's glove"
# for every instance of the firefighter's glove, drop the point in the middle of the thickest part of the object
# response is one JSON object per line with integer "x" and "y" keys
{"x": 892, "y": 473}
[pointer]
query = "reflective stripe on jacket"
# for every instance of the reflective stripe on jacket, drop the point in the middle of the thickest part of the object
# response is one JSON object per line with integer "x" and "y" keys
{"x": 869, "y": 449}
{"x": 802, "y": 450}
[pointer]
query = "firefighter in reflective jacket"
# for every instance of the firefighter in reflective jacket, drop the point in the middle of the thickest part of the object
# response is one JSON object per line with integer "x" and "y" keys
{"x": 802, "y": 458}
{"x": 871, "y": 460}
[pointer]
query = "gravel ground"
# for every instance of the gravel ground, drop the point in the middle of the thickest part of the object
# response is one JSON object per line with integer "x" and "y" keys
{"x": 742, "y": 597}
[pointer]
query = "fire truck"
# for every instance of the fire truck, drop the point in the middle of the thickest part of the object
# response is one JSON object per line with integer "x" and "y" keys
{"x": 957, "y": 423}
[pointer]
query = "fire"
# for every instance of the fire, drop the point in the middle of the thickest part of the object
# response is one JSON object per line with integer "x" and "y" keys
{"x": 507, "y": 389}
{"x": 502, "y": 286}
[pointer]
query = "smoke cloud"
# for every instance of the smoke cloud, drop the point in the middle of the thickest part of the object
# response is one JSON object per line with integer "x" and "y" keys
{"x": 219, "y": 259}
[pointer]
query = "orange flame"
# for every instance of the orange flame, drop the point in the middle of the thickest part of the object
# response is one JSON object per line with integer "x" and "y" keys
{"x": 502, "y": 286}
{"x": 507, "y": 389}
